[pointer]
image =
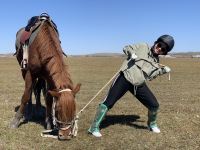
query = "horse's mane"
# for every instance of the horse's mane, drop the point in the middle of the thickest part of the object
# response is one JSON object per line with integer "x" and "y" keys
{"x": 47, "y": 44}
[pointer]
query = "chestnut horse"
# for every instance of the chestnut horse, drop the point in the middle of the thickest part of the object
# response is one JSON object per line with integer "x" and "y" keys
{"x": 45, "y": 60}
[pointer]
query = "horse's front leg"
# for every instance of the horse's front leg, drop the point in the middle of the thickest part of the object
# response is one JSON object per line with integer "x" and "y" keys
{"x": 25, "y": 98}
{"x": 49, "y": 120}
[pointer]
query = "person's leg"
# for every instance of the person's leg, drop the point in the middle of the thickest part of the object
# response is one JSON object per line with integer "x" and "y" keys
{"x": 100, "y": 113}
{"x": 147, "y": 98}
{"x": 117, "y": 90}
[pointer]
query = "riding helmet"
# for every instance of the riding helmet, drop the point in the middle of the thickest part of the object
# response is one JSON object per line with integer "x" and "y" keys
{"x": 168, "y": 40}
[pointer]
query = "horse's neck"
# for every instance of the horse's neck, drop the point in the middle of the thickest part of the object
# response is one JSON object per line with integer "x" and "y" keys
{"x": 60, "y": 79}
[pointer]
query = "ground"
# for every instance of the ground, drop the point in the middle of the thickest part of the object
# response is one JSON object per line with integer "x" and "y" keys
{"x": 125, "y": 124}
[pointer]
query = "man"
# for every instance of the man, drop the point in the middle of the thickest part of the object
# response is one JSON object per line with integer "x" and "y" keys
{"x": 142, "y": 64}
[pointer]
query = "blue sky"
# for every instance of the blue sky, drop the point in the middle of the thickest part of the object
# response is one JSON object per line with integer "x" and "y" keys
{"x": 96, "y": 26}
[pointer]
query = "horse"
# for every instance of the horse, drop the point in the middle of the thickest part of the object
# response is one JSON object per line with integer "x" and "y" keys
{"x": 45, "y": 60}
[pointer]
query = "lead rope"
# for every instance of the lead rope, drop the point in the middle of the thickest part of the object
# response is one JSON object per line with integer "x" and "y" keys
{"x": 135, "y": 89}
{"x": 75, "y": 129}
{"x": 53, "y": 112}
{"x": 97, "y": 94}
{"x": 100, "y": 91}
{"x": 169, "y": 75}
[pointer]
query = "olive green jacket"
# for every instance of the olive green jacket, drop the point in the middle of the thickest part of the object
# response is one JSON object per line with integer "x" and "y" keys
{"x": 144, "y": 67}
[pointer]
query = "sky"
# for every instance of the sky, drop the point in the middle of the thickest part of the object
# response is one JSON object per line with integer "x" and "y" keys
{"x": 100, "y": 26}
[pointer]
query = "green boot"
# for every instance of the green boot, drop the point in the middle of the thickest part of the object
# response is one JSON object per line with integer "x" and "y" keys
{"x": 152, "y": 125}
{"x": 94, "y": 128}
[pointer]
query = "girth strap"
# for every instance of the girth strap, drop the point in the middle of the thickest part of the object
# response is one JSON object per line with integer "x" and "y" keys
{"x": 24, "y": 63}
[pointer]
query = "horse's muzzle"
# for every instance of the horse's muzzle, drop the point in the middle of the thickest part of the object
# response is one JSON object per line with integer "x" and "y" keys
{"x": 64, "y": 137}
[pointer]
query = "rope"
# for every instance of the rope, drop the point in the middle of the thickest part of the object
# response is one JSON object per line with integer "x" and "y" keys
{"x": 103, "y": 88}
{"x": 53, "y": 112}
{"x": 97, "y": 93}
{"x": 75, "y": 129}
{"x": 48, "y": 133}
{"x": 169, "y": 76}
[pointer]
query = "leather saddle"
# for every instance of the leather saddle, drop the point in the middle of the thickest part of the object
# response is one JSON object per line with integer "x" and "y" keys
{"x": 26, "y": 35}
{"x": 33, "y": 25}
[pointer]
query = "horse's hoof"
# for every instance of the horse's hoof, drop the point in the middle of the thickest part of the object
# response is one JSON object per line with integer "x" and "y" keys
{"x": 49, "y": 126}
{"x": 14, "y": 123}
{"x": 16, "y": 120}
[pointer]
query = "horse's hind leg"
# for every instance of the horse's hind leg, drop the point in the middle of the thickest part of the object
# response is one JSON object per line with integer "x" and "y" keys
{"x": 29, "y": 109}
{"x": 25, "y": 98}
{"x": 39, "y": 86}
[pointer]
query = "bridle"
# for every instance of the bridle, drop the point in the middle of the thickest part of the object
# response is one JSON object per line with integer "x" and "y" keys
{"x": 66, "y": 125}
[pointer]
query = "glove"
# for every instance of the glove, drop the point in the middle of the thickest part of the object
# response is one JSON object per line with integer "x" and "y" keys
{"x": 166, "y": 69}
{"x": 133, "y": 56}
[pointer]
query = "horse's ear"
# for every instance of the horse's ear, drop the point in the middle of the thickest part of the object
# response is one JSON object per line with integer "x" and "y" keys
{"x": 54, "y": 93}
{"x": 77, "y": 88}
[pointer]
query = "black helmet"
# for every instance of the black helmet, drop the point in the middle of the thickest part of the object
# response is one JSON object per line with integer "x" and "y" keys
{"x": 168, "y": 40}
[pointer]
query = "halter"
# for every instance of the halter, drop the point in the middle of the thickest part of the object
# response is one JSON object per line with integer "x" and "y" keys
{"x": 67, "y": 125}
{"x": 65, "y": 90}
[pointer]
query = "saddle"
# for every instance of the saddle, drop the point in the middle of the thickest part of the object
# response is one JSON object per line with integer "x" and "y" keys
{"x": 27, "y": 35}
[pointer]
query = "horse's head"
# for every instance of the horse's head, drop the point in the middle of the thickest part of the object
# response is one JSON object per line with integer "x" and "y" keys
{"x": 64, "y": 112}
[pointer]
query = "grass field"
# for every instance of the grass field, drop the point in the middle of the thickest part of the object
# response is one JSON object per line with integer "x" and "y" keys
{"x": 125, "y": 124}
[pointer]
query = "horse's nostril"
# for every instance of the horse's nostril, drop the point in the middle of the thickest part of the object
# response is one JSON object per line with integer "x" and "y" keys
{"x": 62, "y": 137}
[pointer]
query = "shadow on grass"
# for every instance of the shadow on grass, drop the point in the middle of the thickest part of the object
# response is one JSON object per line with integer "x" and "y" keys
{"x": 122, "y": 119}
{"x": 33, "y": 114}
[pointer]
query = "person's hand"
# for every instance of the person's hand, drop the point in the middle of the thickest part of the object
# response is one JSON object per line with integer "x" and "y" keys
{"x": 133, "y": 56}
{"x": 167, "y": 69}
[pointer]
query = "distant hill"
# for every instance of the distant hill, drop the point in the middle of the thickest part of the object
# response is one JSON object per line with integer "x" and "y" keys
{"x": 6, "y": 55}
{"x": 185, "y": 54}
{"x": 105, "y": 55}
{"x": 179, "y": 54}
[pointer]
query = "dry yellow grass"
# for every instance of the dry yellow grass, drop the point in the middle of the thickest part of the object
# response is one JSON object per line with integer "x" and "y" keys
{"x": 125, "y": 124}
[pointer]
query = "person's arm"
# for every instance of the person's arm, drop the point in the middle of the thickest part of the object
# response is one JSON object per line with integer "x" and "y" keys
{"x": 130, "y": 51}
{"x": 165, "y": 69}
{"x": 160, "y": 71}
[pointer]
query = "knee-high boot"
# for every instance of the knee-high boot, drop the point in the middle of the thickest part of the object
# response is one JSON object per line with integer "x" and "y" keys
{"x": 152, "y": 125}
{"x": 94, "y": 128}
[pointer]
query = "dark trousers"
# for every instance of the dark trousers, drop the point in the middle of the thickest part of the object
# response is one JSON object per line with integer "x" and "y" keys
{"x": 120, "y": 86}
